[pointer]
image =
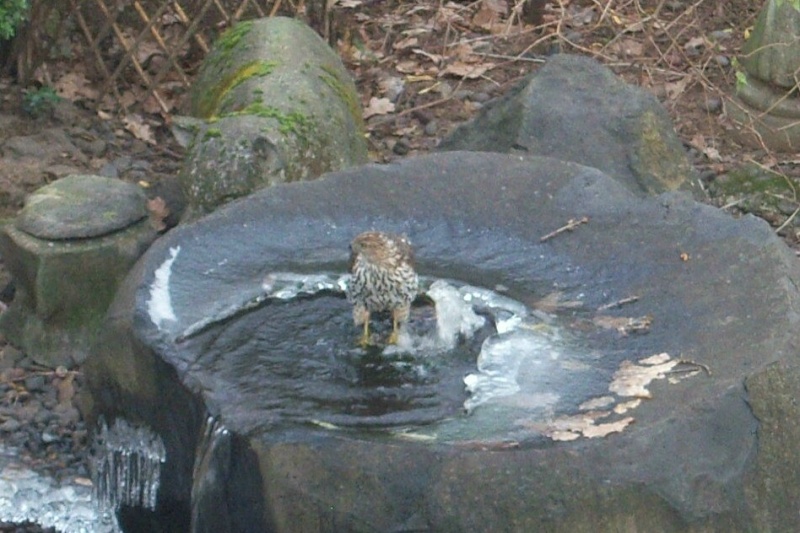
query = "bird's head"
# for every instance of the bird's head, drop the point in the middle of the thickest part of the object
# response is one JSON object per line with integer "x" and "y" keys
{"x": 380, "y": 248}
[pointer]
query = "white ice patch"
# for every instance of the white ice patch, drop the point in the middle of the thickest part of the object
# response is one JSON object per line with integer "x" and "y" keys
{"x": 159, "y": 306}
{"x": 287, "y": 285}
{"x": 499, "y": 363}
{"x": 454, "y": 316}
{"x": 65, "y": 505}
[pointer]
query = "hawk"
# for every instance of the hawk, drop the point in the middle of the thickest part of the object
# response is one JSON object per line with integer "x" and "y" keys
{"x": 382, "y": 278}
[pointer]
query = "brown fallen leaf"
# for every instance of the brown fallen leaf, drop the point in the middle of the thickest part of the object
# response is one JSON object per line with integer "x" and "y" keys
{"x": 75, "y": 86}
{"x": 632, "y": 379}
{"x": 378, "y": 106}
{"x": 601, "y": 430}
{"x": 159, "y": 211}
{"x": 596, "y": 403}
{"x": 135, "y": 124}
{"x": 469, "y": 71}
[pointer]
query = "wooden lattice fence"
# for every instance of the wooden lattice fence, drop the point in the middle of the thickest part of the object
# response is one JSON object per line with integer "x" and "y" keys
{"x": 137, "y": 51}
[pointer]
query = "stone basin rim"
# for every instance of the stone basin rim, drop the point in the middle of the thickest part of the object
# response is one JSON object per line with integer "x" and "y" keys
{"x": 559, "y": 190}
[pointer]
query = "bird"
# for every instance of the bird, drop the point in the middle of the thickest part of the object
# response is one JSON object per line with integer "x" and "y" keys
{"x": 382, "y": 278}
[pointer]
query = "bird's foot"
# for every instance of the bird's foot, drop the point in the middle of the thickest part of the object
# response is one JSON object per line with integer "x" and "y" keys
{"x": 364, "y": 341}
{"x": 393, "y": 337}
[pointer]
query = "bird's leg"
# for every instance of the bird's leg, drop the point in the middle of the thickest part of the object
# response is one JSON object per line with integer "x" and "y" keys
{"x": 364, "y": 340}
{"x": 395, "y": 330}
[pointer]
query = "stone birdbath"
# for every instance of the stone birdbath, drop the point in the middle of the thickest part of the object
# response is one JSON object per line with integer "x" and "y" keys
{"x": 633, "y": 366}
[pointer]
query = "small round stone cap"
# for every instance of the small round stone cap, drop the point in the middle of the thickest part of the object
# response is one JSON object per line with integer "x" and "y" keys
{"x": 80, "y": 207}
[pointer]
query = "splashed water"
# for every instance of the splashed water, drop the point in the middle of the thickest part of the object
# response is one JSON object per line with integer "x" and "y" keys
{"x": 126, "y": 466}
{"x": 501, "y": 356}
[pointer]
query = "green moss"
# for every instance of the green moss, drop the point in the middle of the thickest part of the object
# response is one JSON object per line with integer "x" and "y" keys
{"x": 752, "y": 179}
{"x": 292, "y": 122}
{"x": 210, "y": 103}
{"x": 229, "y": 39}
{"x": 212, "y": 133}
{"x": 331, "y": 78}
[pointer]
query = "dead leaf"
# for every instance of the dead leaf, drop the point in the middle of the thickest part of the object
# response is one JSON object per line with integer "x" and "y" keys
{"x": 135, "y": 124}
{"x": 624, "y": 407}
{"x": 158, "y": 213}
{"x": 74, "y": 86}
{"x": 601, "y": 430}
{"x": 631, "y": 379}
{"x": 378, "y": 106}
{"x": 146, "y": 50}
{"x": 712, "y": 154}
{"x": 486, "y": 17}
{"x": 596, "y": 403}
{"x": 676, "y": 88}
{"x": 467, "y": 70}
{"x": 436, "y": 58}
{"x": 567, "y": 428}
{"x": 694, "y": 43}
{"x": 628, "y": 48}
{"x": 408, "y": 42}
{"x": 407, "y": 67}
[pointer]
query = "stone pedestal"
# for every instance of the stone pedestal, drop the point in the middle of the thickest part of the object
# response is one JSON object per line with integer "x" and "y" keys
{"x": 766, "y": 106}
{"x": 68, "y": 250}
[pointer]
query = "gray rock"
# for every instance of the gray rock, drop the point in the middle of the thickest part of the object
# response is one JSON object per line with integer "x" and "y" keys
{"x": 44, "y": 147}
{"x": 34, "y": 383}
{"x": 713, "y": 104}
{"x": 576, "y": 109}
{"x": 278, "y": 106}
{"x": 190, "y": 330}
{"x": 722, "y": 60}
{"x": 88, "y": 142}
{"x": 81, "y": 206}
{"x": 10, "y": 426}
{"x": 431, "y": 128}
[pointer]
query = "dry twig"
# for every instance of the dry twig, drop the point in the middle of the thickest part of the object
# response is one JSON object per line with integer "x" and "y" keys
{"x": 570, "y": 225}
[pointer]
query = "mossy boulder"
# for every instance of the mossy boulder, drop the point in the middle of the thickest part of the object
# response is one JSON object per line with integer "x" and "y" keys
{"x": 275, "y": 105}
{"x": 68, "y": 250}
